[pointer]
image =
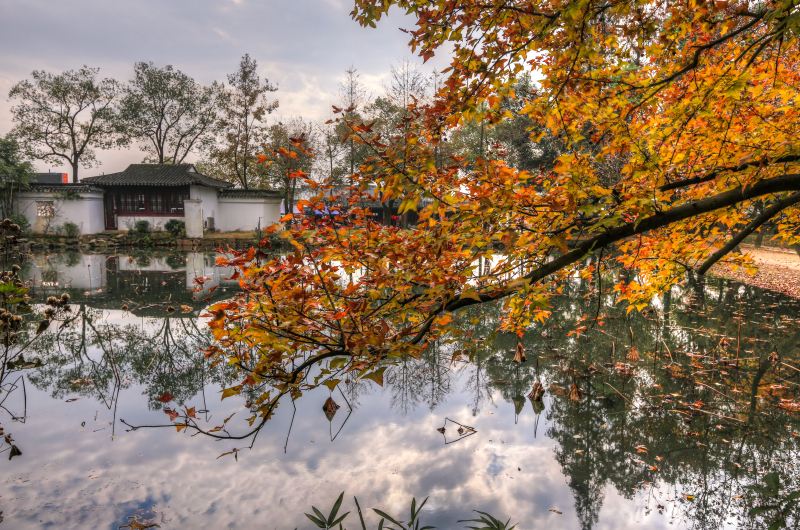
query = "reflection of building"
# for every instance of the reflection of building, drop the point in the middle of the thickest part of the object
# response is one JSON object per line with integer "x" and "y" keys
{"x": 155, "y": 193}
{"x": 56, "y": 273}
{"x": 145, "y": 283}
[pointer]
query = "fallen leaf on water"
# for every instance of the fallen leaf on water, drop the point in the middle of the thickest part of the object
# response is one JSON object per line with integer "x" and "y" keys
{"x": 519, "y": 356}
{"x": 556, "y": 511}
{"x": 574, "y": 392}
{"x": 537, "y": 392}
{"x": 166, "y": 397}
{"x": 135, "y": 524}
{"x": 791, "y": 406}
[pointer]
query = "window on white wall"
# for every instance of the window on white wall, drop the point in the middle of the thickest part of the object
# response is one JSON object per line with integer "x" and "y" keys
{"x": 45, "y": 209}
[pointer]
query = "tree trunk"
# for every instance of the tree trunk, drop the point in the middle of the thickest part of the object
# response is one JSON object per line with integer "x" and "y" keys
{"x": 759, "y": 239}
{"x": 74, "y": 165}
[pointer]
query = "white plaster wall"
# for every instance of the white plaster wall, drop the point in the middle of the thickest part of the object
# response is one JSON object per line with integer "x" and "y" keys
{"x": 86, "y": 211}
{"x": 243, "y": 214}
{"x": 192, "y": 216}
{"x": 208, "y": 198}
{"x": 127, "y": 222}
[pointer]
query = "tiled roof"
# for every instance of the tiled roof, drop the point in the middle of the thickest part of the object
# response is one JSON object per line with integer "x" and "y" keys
{"x": 62, "y": 188}
{"x": 239, "y": 193}
{"x": 157, "y": 175}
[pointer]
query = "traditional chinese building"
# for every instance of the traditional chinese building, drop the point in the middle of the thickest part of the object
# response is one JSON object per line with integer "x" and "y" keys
{"x": 154, "y": 193}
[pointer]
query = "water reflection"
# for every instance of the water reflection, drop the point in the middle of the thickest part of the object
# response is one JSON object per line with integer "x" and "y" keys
{"x": 146, "y": 283}
{"x": 678, "y": 422}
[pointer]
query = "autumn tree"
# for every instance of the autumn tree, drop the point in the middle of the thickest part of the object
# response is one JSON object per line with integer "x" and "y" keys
{"x": 245, "y": 107}
{"x": 167, "y": 112}
{"x": 289, "y": 157}
{"x": 671, "y": 120}
{"x": 64, "y": 117}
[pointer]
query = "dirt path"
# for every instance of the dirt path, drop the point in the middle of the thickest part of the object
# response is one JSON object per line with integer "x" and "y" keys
{"x": 778, "y": 270}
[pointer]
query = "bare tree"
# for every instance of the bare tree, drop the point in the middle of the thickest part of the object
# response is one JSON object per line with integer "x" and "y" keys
{"x": 407, "y": 85}
{"x": 64, "y": 117}
{"x": 353, "y": 96}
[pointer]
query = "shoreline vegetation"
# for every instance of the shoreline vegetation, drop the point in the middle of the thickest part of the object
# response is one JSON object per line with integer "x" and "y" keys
{"x": 155, "y": 239}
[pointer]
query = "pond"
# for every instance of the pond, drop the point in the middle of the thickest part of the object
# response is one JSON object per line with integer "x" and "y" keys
{"x": 676, "y": 417}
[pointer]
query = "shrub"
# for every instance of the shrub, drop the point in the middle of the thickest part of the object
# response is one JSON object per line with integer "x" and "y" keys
{"x": 175, "y": 227}
{"x": 21, "y": 221}
{"x": 71, "y": 230}
{"x": 141, "y": 227}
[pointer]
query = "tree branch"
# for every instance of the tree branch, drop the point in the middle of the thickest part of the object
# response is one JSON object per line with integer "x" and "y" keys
{"x": 765, "y": 216}
{"x": 714, "y": 174}
{"x": 725, "y": 199}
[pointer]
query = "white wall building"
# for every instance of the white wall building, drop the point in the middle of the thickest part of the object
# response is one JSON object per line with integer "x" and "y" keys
{"x": 156, "y": 193}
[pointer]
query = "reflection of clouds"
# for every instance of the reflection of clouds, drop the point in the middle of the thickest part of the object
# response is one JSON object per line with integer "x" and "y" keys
{"x": 72, "y": 477}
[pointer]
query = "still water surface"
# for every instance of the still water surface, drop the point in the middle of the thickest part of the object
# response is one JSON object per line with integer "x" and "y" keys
{"x": 649, "y": 444}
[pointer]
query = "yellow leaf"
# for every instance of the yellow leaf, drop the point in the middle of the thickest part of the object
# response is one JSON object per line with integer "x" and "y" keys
{"x": 472, "y": 294}
{"x": 376, "y": 376}
{"x": 331, "y": 383}
{"x": 232, "y": 391}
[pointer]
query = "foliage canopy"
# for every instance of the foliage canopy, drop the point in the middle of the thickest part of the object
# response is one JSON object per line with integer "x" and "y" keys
{"x": 670, "y": 125}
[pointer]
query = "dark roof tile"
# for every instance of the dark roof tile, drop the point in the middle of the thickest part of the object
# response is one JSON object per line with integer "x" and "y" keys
{"x": 62, "y": 188}
{"x": 157, "y": 175}
{"x": 239, "y": 193}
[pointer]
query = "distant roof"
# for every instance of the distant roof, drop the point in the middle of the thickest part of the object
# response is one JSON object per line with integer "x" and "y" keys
{"x": 157, "y": 175}
{"x": 242, "y": 193}
{"x": 49, "y": 178}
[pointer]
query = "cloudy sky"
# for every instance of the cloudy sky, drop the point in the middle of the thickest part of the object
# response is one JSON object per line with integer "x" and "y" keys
{"x": 303, "y": 46}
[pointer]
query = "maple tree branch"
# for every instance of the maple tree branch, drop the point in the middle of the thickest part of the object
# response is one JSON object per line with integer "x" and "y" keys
{"x": 790, "y": 182}
{"x": 765, "y": 216}
{"x": 733, "y": 169}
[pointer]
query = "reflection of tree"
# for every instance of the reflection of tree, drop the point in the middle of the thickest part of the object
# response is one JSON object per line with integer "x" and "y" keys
{"x": 424, "y": 380}
{"x": 95, "y": 357}
{"x": 683, "y": 395}
{"x": 406, "y": 381}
